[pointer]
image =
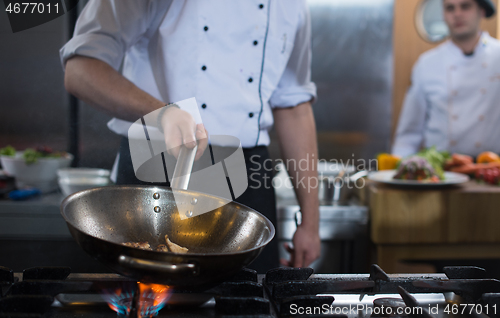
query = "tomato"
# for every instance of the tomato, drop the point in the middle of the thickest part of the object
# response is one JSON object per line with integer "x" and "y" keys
{"x": 479, "y": 174}
{"x": 488, "y": 176}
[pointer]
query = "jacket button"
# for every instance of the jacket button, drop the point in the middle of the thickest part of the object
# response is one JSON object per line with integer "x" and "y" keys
{"x": 454, "y": 117}
{"x": 454, "y": 93}
{"x": 203, "y": 106}
{"x": 453, "y": 143}
{"x": 203, "y": 68}
{"x": 250, "y": 80}
{"x": 261, "y": 6}
{"x": 481, "y": 118}
{"x": 250, "y": 115}
{"x": 205, "y": 28}
{"x": 483, "y": 91}
{"x": 477, "y": 144}
{"x": 255, "y": 42}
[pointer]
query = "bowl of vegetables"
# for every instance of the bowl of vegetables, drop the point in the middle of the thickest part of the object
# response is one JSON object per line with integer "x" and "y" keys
{"x": 34, "y": 167}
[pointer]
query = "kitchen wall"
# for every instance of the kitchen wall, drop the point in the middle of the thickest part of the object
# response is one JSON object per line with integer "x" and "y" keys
{"x": 32, "y": 98}
{"x": 352, "y": 67}
{"x": 33, "y": 102}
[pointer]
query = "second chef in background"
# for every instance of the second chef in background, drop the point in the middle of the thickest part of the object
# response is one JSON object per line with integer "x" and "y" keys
{"x": 454, "y": 100}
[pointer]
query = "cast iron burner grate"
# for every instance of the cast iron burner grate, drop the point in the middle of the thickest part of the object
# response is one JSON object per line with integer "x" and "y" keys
{"x": 32, "y": 293}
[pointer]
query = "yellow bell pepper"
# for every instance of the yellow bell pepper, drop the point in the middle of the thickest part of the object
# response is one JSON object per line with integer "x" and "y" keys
{"x": 386, "y": 161}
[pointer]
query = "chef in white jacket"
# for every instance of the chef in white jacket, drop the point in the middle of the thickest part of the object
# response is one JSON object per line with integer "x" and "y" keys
{"x": 454, "y": 100}
{"x": 247, "y": 63}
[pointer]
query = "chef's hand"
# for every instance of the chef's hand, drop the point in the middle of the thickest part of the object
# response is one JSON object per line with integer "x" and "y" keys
{"x": 306, "y": 248}
{"x": 179, "y": 128}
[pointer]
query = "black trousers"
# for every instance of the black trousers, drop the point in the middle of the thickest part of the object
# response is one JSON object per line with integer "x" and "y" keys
{"x": 258, "y": 196}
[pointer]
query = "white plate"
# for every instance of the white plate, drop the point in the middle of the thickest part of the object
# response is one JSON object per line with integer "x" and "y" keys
{"x": 386, "y": 176}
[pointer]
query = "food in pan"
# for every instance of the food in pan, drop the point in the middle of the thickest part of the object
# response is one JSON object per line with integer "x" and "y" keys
{"x": 141, "y": 245}
{"x": 416, "y": 168}
{"x": 170, "y": 247}
{"x": 174, "y": 247}
{"x": 162, "y": 248}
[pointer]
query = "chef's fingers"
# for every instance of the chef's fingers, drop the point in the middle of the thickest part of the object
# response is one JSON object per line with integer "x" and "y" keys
{"x": 299, "y": 256}
{"x": 179, "y": 129}
{"x": 298, "y": 246}
{"x": 285, "y": 262}
{"x": 173, "y": 140}
{"x": 202, "y": 138}
{"x": 290, "y": 250}
{"x": 313, "y": 252}
{"x": 188, "y": 131}
{"x": 309, "y": 258}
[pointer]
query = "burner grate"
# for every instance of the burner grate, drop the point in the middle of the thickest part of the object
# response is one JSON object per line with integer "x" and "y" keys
{"x": 239, "y": 289}
{"x": 30, "y": 304}
{"x": 242, "y": 306}
{"x": 246, "y": 294}
{"x": 46, "y": 273}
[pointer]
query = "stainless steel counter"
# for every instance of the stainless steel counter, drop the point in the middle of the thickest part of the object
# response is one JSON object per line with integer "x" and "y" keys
{"x": 33, "y": 233}
{"x": 36, "y": 218}
{"x": 343, "y": 231}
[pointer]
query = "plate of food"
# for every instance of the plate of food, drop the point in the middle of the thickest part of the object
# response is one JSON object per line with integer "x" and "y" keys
{"x": 387, "y": 176}
{"x": 425, "y": 168}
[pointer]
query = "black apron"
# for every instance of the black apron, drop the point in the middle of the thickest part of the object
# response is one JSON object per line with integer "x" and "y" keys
{"x": 260, "y": 198}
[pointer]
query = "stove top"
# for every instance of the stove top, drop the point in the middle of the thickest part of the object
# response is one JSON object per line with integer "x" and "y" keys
{"x": 281, "y": 292}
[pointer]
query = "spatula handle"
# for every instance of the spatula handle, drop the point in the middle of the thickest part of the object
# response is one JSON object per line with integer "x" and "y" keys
{"x": 183, "y": 168}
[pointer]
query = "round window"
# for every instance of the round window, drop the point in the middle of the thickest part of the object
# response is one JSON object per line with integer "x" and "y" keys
{"x": 429, "y": 21}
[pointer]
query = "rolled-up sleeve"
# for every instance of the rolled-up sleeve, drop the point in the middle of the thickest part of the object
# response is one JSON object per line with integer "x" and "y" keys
{"x": 411, "y": 125}
{"x": 106, "y": 29}
{"x": 295, "y": 86}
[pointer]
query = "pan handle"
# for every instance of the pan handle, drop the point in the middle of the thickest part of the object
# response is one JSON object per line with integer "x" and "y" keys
{"x": 142, "y": 264}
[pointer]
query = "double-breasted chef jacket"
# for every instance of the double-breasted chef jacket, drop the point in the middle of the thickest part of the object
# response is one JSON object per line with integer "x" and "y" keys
{"x": 239, "y": 59}
{"x": 454, "y": 101}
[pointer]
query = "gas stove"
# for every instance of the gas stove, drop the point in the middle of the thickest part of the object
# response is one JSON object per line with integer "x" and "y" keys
{"x": 281, "y": 292}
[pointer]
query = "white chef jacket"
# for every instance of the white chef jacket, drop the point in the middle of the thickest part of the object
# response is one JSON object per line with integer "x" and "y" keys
{"x": 239, "y": 59}
{"x": 454, "y": 101}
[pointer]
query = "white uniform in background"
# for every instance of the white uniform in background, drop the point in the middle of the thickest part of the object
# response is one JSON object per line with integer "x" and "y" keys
{"x": 454, "y": 101}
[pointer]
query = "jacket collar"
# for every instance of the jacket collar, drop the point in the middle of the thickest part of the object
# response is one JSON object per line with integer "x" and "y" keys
{"x": 483, "y": 42}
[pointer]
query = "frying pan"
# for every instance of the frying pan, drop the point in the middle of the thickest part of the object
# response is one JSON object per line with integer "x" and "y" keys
{"x": 220, "y": 242}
